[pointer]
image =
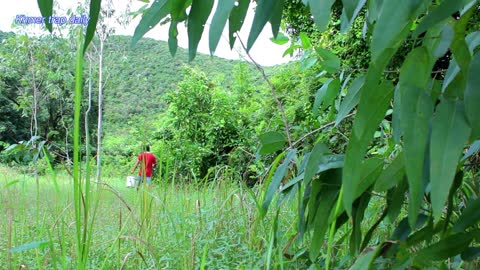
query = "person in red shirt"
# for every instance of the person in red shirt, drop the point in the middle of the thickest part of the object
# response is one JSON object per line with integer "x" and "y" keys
{"x": 145, "y": 161}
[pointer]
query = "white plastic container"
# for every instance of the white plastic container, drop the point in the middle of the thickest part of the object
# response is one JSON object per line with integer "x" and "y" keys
{"x": 130, "y": 181}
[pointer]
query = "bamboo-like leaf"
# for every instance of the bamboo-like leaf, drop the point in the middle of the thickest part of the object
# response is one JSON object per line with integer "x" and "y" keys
{"x": 271, "y": 141}
{"x": 276, "y": 17}
{"x": 320, "y": 10}
{"x": 472, "y": 96}
{"x": 262, "y": 16}
{"x": 371, "y": 110}
{"x": 416, "y": 111}
{"x": 330, "y": 62}
{"x": 314, "y": 161}
{"x": 364, "y": 261}
{"x": 172, "y": 38}
{"x": 199, "y": 12}
{"x": 391, "y": 175}
{"x": 151, "y": 17}
{"x": 351, "y": 8}
{"x": 95, "y": 6}
{"x": 358, "y": 213}
{"x": 46, "y": 9}
{"x": 440, "y": 13}
{"x": 218, "y": 23}
{"x": 469, "y": 216}
{"x": 277, "y": 178}
{"x": 351, "y": 99}
{"x": 403, "y": 230}
{"x": 450, "y": 132}
{"x": 325, "y": 95}
{"x": 446, "y": 248}
{"x": 446, "y": 39}
{"x": 322, "y": 205}
{"x": 396, "y": 198}
{"x": 236, "y": 19}
{"x": 393, "y": 24}
{"x": 369, "y": 172}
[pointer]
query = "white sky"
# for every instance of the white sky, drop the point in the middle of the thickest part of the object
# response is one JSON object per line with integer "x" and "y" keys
{"x": 264, "y": 51}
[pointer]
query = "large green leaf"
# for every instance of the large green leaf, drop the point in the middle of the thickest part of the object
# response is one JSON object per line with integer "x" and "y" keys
{"x": 440, "y": 13}
{"x": 235, "y": 21}
{"x": 325, "y": 95}
{"x": 95, "y": 6}
{"x": 320, "y": 10}
{"x": 329, "y": 61}
{"x": 314, "y": 161}
{"x": 351, "y": 99}
{"x": 472, "y": 96}
{"x": 218, "y": 23}
{"x": 403, "y": 229}
{"x": 271, "y": 141}
{"x": 369, "y": 172}
{"x": 358, "y": 213}
{"x": 393, "y": 24}
{"x": 445, "y": 248}
{"x": 395, "y": 199}
{"x": 364, "y": 261}
{"x": 262, "y": 16}
{"x": 351, "y": 8}
{"x": 46, "y": 9}
{"x": 450, "y": 132}
{"x": 415, "y": 113}
{"x": 391, "y": 175}
{"x": 152, "y": 16}
{"x": 172, "y": 38}
{"x": 371, "y": 110}
{"x": 277, "y": 178}
{"x": 321, "y": 203}
{"x": 276, "y": 17}
{"x": 197, "y": 18}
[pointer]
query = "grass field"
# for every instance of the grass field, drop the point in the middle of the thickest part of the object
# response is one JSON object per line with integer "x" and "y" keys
{"x": 165, "y": 226}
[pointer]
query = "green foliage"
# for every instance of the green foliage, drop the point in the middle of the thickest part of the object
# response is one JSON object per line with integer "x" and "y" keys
{"x": 201, "y": 128}
{"x": 32, "y": 71}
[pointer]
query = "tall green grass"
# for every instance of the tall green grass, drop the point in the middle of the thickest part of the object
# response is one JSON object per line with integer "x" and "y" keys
{"x": 214, "y": 225}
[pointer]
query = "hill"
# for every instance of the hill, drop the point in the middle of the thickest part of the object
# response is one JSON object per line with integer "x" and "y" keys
{"x": 137, "y": 77}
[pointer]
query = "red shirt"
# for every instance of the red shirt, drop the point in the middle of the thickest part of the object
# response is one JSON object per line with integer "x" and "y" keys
{"x": 147, "y": 161}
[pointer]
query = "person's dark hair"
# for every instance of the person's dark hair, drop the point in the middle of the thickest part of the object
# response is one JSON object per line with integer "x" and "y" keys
{"x": 147, "y": 148}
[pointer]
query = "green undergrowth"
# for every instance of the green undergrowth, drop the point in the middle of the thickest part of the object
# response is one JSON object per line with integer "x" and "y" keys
{"x": 169, "y": 225}
{"x": 164, "y": 226}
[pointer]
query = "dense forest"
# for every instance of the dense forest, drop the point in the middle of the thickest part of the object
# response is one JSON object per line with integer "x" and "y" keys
{"x": 361, "y": 154}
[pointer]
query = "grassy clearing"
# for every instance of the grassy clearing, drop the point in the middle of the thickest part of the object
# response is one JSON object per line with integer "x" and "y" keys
{"x": 166, "y": 226}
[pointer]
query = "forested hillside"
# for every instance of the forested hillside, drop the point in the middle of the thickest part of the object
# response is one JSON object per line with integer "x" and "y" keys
{"x": 138, "y": 76}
